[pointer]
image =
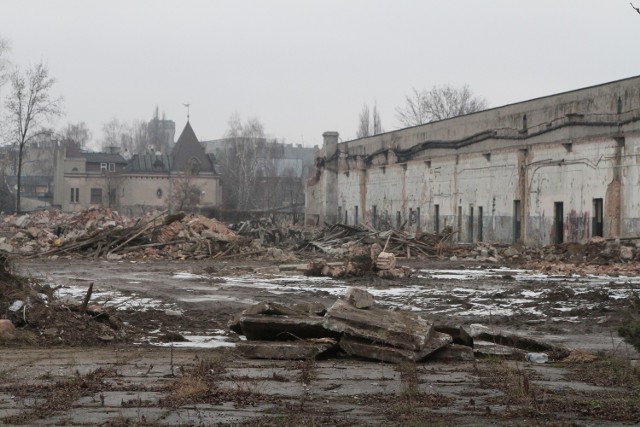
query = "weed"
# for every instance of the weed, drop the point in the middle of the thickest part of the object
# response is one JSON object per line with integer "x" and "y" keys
{"x": 630, "y": 329}
{"x": 307, "y": 370}
{"x": 202, "y": 383}
{"x": 59, "y": 396}
{"x": 607, "y": 371}
{"x": 45, "y": 376}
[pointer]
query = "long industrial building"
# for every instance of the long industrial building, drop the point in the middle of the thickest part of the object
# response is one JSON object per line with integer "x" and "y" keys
{"x": 561, "y": 168}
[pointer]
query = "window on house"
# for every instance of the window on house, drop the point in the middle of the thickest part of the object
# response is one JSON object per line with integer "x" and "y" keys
{"x": 75, "y": 195}
{"x": 96, "y": 196}
{"x": 355, "y": 215}
{"x": 398, "y": 219}
{"x": 112, "y": 167}
{"x": 436, "y": 218}
{"x": 339, "y": 213}
{"x": 103, "y": 167}
{"x": 418, "y": 217}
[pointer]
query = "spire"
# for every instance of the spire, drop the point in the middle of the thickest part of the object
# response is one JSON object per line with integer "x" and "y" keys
{"x": 187, "y": 105}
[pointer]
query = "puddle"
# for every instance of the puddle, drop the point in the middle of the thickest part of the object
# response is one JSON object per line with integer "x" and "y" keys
{"x": 112, "y": 298}
{"x": 198, "y": 341}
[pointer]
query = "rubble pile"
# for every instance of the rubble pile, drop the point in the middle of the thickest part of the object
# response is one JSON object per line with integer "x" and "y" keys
{"x": 268, "y": 232}
{"x": 102, "y": 232}
{"x": 597, "y": 256}
{"x": 337, "y": 240}
{"x": 31, "y": 313}
{"x": 361, "y": 260}
{"x": 356, "y": 327}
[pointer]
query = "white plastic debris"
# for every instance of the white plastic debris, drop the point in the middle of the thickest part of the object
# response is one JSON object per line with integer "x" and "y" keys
{"x": 17, "y": 305}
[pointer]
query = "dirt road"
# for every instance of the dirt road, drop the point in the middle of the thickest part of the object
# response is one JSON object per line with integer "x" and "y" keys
{"x": 149, "y": 385}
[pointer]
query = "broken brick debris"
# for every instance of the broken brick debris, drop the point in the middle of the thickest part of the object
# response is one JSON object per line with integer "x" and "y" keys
{"x": 268, "y": 231}
{"x": 336, "y": 240}
{"x": 103, "y": 233}
{"x": 7, "y": 330}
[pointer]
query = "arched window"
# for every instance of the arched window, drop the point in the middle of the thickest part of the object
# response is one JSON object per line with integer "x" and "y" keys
{"x": 525, "y": 124}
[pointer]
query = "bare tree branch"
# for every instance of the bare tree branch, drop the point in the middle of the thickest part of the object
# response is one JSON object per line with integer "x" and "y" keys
{"x": 246, "y": 158}
{"x": 439, "y": 103}
{"x": 364, "y": 127}
{"x": 29, "y": 105}
{"x": 636, "y": 8}
{"x": 369, "y": 123}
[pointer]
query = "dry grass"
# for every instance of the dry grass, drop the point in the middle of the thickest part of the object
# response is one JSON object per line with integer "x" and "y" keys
{"x": 56, "y": 397}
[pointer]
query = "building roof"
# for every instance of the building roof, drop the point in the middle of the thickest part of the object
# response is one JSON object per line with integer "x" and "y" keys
{"x": 188, "y": 149}
{"x": 102, "y": 158}
{"x": 150, "y": 163}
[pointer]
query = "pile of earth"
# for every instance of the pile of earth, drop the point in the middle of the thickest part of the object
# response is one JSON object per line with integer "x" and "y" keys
{"x": 41, "y": 318}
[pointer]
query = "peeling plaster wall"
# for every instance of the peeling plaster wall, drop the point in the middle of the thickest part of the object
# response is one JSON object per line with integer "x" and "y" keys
{"x": 571, "y": 149}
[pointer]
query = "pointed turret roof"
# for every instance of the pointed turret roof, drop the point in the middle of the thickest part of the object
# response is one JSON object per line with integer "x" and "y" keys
{"x": 188, "y": 148}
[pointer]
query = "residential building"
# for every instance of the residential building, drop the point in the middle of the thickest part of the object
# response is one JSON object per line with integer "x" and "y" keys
{"x": 184, "y": 180}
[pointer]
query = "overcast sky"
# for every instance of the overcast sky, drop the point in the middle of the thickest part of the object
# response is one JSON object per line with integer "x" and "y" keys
{"x": 303, "y": 67}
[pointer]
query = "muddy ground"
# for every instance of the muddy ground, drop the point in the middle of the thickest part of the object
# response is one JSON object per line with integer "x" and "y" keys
{"x": 141, "y": 379}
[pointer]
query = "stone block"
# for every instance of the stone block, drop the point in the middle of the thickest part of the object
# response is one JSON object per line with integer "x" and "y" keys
{"x": 282, "y": 328}
{"x": 285, "y": 350}
{"x": 359, "y": 298}
{"x": 385, "y": 353}
{"x": 453, "y": 353}
{"x": 394, "y": 328}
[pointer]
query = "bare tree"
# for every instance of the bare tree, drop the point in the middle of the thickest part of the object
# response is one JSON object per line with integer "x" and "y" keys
{"x": 364, "y": 124}
{"x": 4, "y": 62}
{"x": 76, "y": 135}
{"x": 29, "y": 105}
{"x": 114, "y": 133}
{"x": 185, "y": 193}
{"x": 414, "y": 112}
{"x": 369, "y": 124}
{"x": 636, "y": 8}
{"x": 131, "y": 138}
{"x": 439, "y": 103}
{"x": 244, "y": 160}
{"x": 377, "y": 123}
{"x": 141, "y": 141}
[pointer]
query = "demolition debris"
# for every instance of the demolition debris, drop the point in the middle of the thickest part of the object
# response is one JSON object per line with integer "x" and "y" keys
{"x": 354, "y": 326}
{"x": 103, "y": 233}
